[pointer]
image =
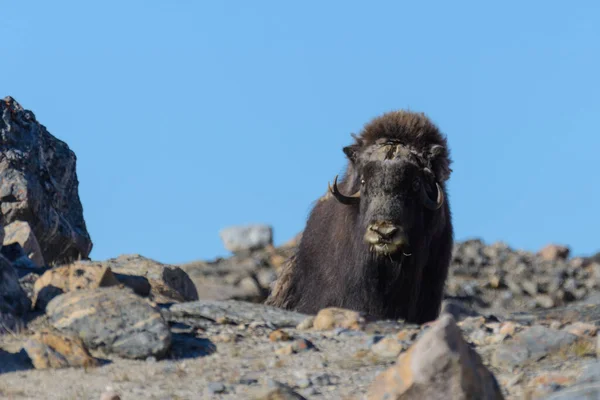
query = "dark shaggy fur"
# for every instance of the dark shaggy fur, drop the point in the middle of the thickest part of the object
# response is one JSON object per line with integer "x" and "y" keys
{"x": 335, "y": 267}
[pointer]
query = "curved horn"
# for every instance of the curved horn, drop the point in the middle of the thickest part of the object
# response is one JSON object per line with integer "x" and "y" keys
{"x": 432, "y": 205}
{"x": 348, "y": 200}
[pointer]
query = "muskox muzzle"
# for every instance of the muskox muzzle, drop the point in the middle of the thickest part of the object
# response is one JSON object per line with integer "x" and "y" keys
{"x": 384, "y": 237}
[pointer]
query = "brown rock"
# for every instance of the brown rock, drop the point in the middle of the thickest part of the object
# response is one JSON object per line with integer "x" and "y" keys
{"x": 554, "y": 252}
{"x": 279, "y": 335}
{"x": 276, "y": 391}
{"x": 441, "y": 365}
{"x": 581, "y": 329}
{"x": 50, "y": 350}
{"x": 20, "y": 232}
{"x": 77, "y": 276}
{"x": 333, "y": 317}
{"x": 388, "y": 347}
{"x": 110, "y": 395}
{"x": 508, "y": 328}
{"x": 297, "y": 346}
{"x": 306, "y": 324}
{"x": 543, "y": 385}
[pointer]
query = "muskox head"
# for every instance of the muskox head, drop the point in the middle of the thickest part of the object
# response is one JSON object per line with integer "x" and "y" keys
{"x": 395, "y": 192}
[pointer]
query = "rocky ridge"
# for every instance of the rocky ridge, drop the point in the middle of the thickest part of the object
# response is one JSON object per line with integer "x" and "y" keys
{"x": 514, "y": 324}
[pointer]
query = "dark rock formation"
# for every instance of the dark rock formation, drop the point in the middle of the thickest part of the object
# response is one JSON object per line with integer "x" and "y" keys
{"x": 38, "y": 184}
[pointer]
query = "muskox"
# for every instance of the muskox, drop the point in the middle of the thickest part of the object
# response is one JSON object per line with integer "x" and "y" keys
{"x": 380, "y": 241}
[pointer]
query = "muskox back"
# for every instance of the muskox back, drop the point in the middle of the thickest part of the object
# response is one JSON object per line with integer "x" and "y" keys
{"x": 380, "y": 241}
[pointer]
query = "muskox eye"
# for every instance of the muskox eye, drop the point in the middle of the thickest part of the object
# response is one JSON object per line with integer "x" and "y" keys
{"x": 416, "y": 185}
{"x": 362, "y": 181}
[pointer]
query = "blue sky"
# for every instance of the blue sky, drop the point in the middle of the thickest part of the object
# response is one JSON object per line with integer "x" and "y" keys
{"x": 187, "y": 116}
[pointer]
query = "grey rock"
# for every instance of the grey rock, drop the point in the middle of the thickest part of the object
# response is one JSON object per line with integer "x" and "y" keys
{"x": 244, "y": 238}
{"x": 13, "y": 299}
{"x": 171, "y": 276}
{"x": 440, "y": 365}
{"x": 17, "y": 256}
{"x": 591, "y": 373}
{"x": 20, "y": 232}
{"x": 531, "y": 345}
{"x": 38, "y": 184}
{"x": 113, "y": 320}
{"x": 237, "y": 312}
{"x": 457, "y": 309}
{"x": 215, "y": 387}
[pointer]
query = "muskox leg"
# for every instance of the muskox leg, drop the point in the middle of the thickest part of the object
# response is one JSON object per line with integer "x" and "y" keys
{"x": 433, "y": 281}
{"x": 281, "y": 294}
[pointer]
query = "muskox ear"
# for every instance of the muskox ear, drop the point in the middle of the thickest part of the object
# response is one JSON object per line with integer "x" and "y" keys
{"x": 437, "y": 157}
{"x": 351, "y": 152}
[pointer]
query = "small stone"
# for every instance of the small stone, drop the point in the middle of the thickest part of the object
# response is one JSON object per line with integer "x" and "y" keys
{"x": 215, "y": 387}
{"x": 325, "y": 380}
{"x": 266, "y": 278}
{"x": 333, "y": 317}
{"x": 285, "y": 350}
{"x": 110, "y": 395}
{"x": 302, "y": 345}
{"x": 457, "y": 309}
{"x": 244, "y": 238}
{"x": 224, "y": 321}
{"x": 250, "y": 286}
{"x": 298, "y": 346}
{"x": 306, "y": 324}
{"x": 478, "y": 337}
{"x": 495, "y": 282}
{"x": 279, "y": 335}
{"x": 544, "y": 301}
{"x": 508, "y": 328}
{"x": 388, "y": 347}
{"x": 407, "y": 334}
{"x": 276, "y": 391}
{"x": 554, "y": 252}
{"x": 530, "y": 287}
{"x": 581, "y": 329}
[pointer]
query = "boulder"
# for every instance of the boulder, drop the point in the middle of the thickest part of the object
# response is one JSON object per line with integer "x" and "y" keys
{"x": 440, "y": 365}
{"x": 112, "y": 320}
{"x": 20, "y": 232}
{"x": 77, "y": 276}
{"x": 246, "y": 238}
{"x": 39, "y": 185}
{"x": 167, "y": 282}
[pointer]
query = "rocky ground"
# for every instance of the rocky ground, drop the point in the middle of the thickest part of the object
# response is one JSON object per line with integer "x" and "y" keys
{"x": 514, "y": 324}
{"x": 143, "y": 329}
